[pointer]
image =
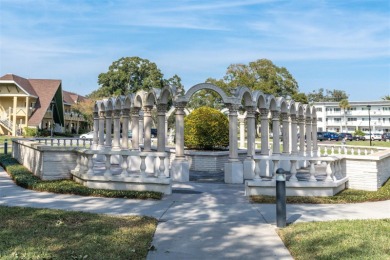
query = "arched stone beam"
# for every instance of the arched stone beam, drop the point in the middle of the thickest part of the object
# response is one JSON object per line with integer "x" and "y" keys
{"x": 108, "y": 104}
{"x": 96, "y": 106}
{"x": 118, "y": 103}
{"x": 299, "y": 108}
{"x": 202, "y": 86}
{"x": 127, "y": 101}
{"x": 282, "y": 104}
{"x": 173, "y": 109}
{"x": 313, "y": 112}
{"x": 102, "y": 106}
{"x": 139, "y": 99}
{"x": 150, "y": 97}
{"x": 260, "y": 99}
{"x": 244, "y": 94}
{"x": 164, "y": 95}
{"x": 291, "y": 107}
{"x": 273, "y": 105}
{"x": 307, "y": 110}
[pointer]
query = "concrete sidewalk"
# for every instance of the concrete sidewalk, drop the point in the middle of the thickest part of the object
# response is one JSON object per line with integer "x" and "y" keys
{"x": 200, "y": 220}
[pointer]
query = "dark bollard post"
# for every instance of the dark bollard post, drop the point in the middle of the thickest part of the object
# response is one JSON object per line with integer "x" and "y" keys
{"x": 5, "y": 146}
{"x": 280, "y": 198}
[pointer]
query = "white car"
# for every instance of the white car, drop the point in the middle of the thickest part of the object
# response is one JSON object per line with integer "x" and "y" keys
{"x": 374, "y": 136}
{"x": 87, "y": 135}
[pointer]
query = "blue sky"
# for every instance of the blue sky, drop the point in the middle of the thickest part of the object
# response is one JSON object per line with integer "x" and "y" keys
{"x": 324, "y": 44}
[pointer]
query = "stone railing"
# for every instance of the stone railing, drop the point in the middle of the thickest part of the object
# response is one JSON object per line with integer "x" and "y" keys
{"x": 65, "y": 142}
{"x": 335, "y": 149}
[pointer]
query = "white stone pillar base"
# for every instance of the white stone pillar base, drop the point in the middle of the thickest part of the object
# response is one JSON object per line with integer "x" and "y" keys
{"x": 234, "y": 172}
{"x": 180, "y": 170}
{"x": 249, "y": 168}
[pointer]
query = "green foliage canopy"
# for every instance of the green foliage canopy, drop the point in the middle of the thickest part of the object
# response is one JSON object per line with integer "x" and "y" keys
{"x": 330, "y": 95}
{"x": 129, "y": 75}
{"x": 206, "y": 129}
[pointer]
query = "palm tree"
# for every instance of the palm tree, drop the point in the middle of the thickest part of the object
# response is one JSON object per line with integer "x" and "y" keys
{"x": 344, "y": 104}
{"x": 387, "y": 97}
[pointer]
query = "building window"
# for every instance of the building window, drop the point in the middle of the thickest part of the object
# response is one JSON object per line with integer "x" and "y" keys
{"x": 337, "y": 119}
{"x": 336, "y": 109}
{"x": 353, "y": 119}
{"x": 319, "y": 109}
{"x": 319, "y": 119}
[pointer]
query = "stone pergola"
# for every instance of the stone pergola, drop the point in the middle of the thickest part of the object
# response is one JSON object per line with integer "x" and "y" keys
{"x": 287, "y": 117}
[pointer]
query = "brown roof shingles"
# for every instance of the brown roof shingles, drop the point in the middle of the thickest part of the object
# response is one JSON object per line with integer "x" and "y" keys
{"x": 22, "y": 82}
{"x": 45, "y": 89}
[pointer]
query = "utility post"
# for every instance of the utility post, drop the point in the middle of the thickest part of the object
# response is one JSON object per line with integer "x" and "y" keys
{"x": 280, "y": 198}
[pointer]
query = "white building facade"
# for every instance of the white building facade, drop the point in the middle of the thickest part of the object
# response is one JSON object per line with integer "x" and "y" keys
{"x": 330, "y": 117}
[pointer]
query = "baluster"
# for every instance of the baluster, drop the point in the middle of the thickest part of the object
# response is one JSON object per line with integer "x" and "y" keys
{"x": 64, "y": 142}
{"x": 365, "y": 151}
{"x": 143, "y": 165}
{"x": 372, "y": 151}
{"x": 328, "y": 171}
{"x": 293, "y": 170}
{"x": 332, "y": 151}
{"x": 77, "y": 142}
{"x": 339, "y": 150}
{"x": 58, "y": 142}
{"x": 90, "y": 164}
{"x": 312, "y": 171}
{"x": 71, "y": 142}
{"x": 124, "y": 165}
{"x": 162, "y": 167}
{"x": 359, "y": 152}
{"x": 107, "y": 164}
{"x": 352, "y": 151}
{"x": 45, "y": 141}
{"x": 51, "y": 142}
{"x": 257, "y": 170}
{"x": 276, "y": 165}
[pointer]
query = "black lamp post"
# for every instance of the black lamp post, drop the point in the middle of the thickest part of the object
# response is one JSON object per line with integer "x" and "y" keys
{"x": 369, "y": 122}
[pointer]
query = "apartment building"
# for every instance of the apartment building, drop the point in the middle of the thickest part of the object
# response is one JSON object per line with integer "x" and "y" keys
{"x": 37, "y": 103}
{"x": 360, "y": 115}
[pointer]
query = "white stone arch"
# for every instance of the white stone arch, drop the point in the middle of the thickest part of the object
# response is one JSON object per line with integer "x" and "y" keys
{"x": 272, "y": 103}
{"x": 243, "y": 94}
{"x": 292, "y": 110}
{"x": 206, "y": 86}
{"x": 164, "y": 95}
{"x": 282, "y": 104}
{"x": 260, "y": 99}
{"x": 127, "y": 101}
{"x": 138, "y": 100}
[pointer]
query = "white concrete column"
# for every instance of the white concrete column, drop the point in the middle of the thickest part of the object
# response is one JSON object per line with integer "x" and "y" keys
{"x": 241, "y": 118}
{"x": 135, "y": 127}
{"x": 27, "y": 111}
{"x": 95, "y": 139}
{"x": 14, "y": 116}
{"x": 233, "y": 151}
{"x": 116, "y": 141}
{"x": 249, "y": 163}
{"x": 179, "y": 129}
{"x": 108, "y": 129}
{"x": 301, "y": 122}
{"x": 286, "y": 136}
{"x": 125, "y": 128}
{"x": 147, "y": 128}
{"x": 251, "y": 131}
{"x": 276, "y": 132}
{"x": 308, "y": 137}
{"x": 161, "y": 127}
{"x": 101, "y": 130}
{"x": 180, "y": 166}
{"x": 264, "y": 131}
{"x": 166, "y": 129}
{"x": 294, "y": 148}
{"x": 140, "y": 124}
{"x": 314, "y": 137}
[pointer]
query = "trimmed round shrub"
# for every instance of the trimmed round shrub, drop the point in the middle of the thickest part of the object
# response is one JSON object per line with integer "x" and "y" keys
{"x": 206, "y": 129}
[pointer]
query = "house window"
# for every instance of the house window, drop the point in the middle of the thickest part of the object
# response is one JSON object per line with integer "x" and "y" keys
{"x": 319, "y": 119}
{"x": 336, "y": 109}
{"x": 319, "y": 109}
{"x": 337, "y": 119}
{"x": 352, "y": 119}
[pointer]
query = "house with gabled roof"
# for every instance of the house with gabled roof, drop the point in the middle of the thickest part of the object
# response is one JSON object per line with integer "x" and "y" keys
{"x": 36, "y": 103}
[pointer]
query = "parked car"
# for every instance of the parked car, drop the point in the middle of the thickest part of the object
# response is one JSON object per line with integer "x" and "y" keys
{"x": 347, "y": 136}
{"x": 320, "y": 136}
{"x": 359, "y": 138}
{"x": 153, "y": 132}
{"x": 386, "y": 137}
{"x": 374, "y": 136}
{"x": 87, "y": 135}
{"x": 331, "y": 136}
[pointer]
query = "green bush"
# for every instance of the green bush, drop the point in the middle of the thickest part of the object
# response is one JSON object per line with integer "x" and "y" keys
{"x": 30, "y": 131}
{"x": 359, "y": 132}
{"x": 206, "y": 129}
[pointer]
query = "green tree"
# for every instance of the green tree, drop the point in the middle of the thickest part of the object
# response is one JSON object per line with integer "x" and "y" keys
{"x": 387, "y": 97}
{"x": 330, "y": 95}
{"x": 300, "y": 97}
{"x": 128, "y": 75}
{"x": 261, "y": 75}
{"x": 344, "y": 105}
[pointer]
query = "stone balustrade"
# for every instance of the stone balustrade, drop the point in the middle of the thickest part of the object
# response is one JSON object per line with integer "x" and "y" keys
{"x": 65, "y": 142}
{"x": 334, "y": 149}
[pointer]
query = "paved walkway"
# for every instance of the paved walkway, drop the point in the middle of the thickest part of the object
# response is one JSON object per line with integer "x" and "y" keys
{"x": 200, "y": 220}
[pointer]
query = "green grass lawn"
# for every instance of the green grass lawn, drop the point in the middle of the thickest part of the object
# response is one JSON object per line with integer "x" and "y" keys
{"x": 342, "y": 239}
{"x": 27, "y": 233}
